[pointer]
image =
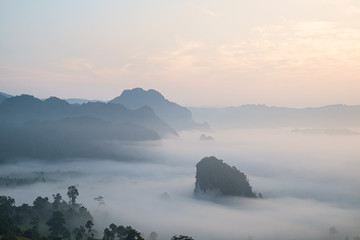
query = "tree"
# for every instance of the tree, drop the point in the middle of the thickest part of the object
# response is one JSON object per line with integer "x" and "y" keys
{"x": 35, "y": 222}
{"x": 128, "y": 233}
{"x": 57, "y": 226}
{"x": 33, "y": 233}
{"x": 121, "y": 233}
{"x": 100, "y": 200}
{"x": 79, "y": 233}
{"x": 72, "y": 194}
{"x": 107, "y": 234}
{"x": 153, "y": 236}
{"x": 6, "y": 213}
{"x": 6, "y": 206}
{"x": 41, "y": 203}
{"x": 90, "y": 232}
{"x": 57, "y": 200}
{"x": 333, "y": 231}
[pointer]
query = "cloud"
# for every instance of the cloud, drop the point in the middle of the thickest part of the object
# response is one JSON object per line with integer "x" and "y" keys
{"x": 310, "y": 184}
{"x": 312, "y": 47}
{"x": 205, "y": 11}
{"x": 186, "y": 56}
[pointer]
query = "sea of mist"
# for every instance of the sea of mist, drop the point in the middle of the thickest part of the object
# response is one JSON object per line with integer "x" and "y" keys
{"x": 309, "y": 182}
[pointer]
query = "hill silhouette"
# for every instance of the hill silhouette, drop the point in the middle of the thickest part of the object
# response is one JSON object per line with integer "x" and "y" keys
{"x": 262, "y": 116}
{"x": 4, "y": 96}
{"x": 178, "y": 117}
{"x": 213, "y": 176}
{"x": 53, "y": 128}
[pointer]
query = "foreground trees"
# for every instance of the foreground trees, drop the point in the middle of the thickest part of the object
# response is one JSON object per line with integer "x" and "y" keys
{"x": 59, "y": 217}
{"x": 57, "y": 227}
{"x": 121, "y": 233}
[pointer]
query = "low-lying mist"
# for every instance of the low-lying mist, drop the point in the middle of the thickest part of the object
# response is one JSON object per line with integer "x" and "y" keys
{"x": 310, "y": 183}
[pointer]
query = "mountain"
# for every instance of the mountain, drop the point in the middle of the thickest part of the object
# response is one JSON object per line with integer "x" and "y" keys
{"x": 178, "y": 117}
{"x": 4, "y": 96}
{"x": 215, "y": 177}
{"x": 53, "y": 128}
{"x": 262, "y": 116}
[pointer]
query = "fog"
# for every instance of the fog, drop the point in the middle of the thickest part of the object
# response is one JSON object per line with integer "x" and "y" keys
{"x": 309, "y": 182}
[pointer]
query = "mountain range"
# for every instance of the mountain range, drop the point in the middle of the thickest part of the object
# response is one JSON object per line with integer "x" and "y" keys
{"x": 53, "y": 128}
{"x": 4, "y": 96}
{"x": 262, "y": 116}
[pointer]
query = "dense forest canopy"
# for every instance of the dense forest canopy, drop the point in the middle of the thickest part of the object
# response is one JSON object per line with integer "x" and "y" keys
{"x": 59, "y": 219}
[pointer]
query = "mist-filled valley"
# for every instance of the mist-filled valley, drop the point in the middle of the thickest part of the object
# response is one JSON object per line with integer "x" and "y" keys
{"x": 180, "y": 120}
{"x": 309, "y": 183}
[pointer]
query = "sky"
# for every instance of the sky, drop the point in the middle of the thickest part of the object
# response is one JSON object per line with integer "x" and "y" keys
{"x": 293, "y": 53}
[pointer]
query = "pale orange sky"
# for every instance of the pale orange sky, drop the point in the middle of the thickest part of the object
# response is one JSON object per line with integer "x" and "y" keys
{"x": 292, "y": 53}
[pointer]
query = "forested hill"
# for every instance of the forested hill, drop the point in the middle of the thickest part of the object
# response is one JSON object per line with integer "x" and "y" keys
{"x": 53, "y": 128}
{"x": 178, "y": 117}
{"x": 215, "y": 177}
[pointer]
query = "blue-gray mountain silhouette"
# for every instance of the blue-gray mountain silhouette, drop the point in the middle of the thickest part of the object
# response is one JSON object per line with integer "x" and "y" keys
{"x": 4, "y": 96}
{"x": 178, "y": 117}
{"x": 53, "y": 128}
{"x": 253, "y": 116}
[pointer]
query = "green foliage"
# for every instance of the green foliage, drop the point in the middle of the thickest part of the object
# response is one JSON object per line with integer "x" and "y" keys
{"x": 57, "y": 227}
{"x": 33, "y": 233}
{"x": 90, "y": 231}
{"x": 59, "y": 216}
{"x": 57, "y": 200}
{"x": 79, "y": 233}
{"x": 72, "y": 194}
{"x": 42, "y": 213}
{"x": 7, "y": 225}
{"x": 6, "y": 205}
{"x": 42, "y": 208}
{"x": 121, "y": 233}
{"x": 213, "y": 175}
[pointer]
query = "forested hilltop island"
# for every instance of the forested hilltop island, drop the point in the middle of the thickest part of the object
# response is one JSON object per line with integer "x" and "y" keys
{"x": 58, "y": 220}
{"x": 215, "y": 177}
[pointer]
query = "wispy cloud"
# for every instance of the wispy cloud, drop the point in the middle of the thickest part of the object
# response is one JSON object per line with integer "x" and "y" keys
{"x": 205, "y": 11}
{"x": 306, "y": 47}
{"x": 303, "y": 47}
{"x": 187, "y": 55}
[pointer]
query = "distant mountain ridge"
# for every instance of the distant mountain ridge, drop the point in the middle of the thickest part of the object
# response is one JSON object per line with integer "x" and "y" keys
{"x": 20, "y": 109}
{"x": 53, "y": 128}
{"x": 4, "y": 96}
{"x": 253, "y": 116}
{"x": 176, "y": 116}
